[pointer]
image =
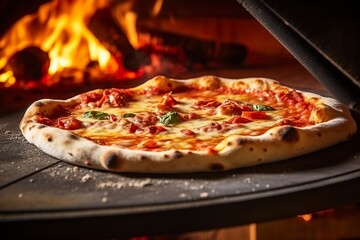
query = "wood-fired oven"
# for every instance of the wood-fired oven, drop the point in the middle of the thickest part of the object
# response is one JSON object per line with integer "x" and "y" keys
{"x": 56, "y": 48}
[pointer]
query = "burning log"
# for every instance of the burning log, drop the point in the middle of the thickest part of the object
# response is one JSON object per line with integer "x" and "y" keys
{"x": 175, "y": 47}
{"x": 30, "y": 63}
{"x": 191, "y": 50}
{"x": 108, "y": 32}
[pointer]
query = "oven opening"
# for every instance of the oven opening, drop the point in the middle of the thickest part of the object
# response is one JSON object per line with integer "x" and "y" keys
{"x": 60, "y": 48}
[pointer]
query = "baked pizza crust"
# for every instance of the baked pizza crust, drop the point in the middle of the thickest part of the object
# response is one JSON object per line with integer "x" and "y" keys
{"x": 334, "y": 124}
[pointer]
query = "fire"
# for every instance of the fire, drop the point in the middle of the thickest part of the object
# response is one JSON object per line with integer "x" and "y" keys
{"x": 306, "y": 217}
{"x": 60, "y": 29}
{"x": 127, "y": 18}
{"x": 64, "y": 36}
{"x": 7, "y": 78}
{"x": 71, "y": 28}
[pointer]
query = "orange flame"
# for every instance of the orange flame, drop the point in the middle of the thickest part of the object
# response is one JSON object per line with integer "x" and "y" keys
{"x": 127, "y": 18}
{"x": 306, "y": 217}
{"x": 60, "y": 29}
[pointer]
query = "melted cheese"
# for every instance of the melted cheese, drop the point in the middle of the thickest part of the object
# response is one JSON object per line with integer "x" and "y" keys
{"x": 117, "y": 133}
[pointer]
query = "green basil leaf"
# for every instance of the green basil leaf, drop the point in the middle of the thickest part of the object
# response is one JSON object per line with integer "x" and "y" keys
{"x": 170, "y": 117}
{"x": 127, "y": 115}
{"x": 96, "y": 115}
{"x": 257, "y": 107}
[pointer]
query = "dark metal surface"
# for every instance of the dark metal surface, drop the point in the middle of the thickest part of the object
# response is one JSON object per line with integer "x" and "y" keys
{"x": 40, "y": 195}
{"x": 322, "y": 35}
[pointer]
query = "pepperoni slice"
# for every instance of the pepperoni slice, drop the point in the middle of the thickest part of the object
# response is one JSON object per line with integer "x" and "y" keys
{"x": 254, "y": 114}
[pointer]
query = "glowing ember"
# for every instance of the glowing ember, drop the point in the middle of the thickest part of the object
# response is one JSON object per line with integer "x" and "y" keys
{"x": 7, "y": 78}
{"x": 306, "y": 217}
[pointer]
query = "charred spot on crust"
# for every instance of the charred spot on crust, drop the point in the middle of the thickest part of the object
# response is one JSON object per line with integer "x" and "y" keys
{"x": 177, "y": 154}
{"x": 39, "y": 104}
{"x": 111, "y": 161}
{"x": 217, "y": 166}
{"x": 264, "y": 149}
{"x": 289, "y": 134}
{"x": 48, "y": 137}
{"x": 40, "y": 126}
{"x": 31, "y": 127}
{"x": 251, "y": 149}
{"x": 241, "y": 141}
{"x": 143, "y": 157}
{"x": 70, "y": 154}
{"x": 73, "y": 137}
{"x": 318, "y": 134}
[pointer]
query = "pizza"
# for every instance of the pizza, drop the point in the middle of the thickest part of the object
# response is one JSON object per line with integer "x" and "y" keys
{"x": 201, "y": 124}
